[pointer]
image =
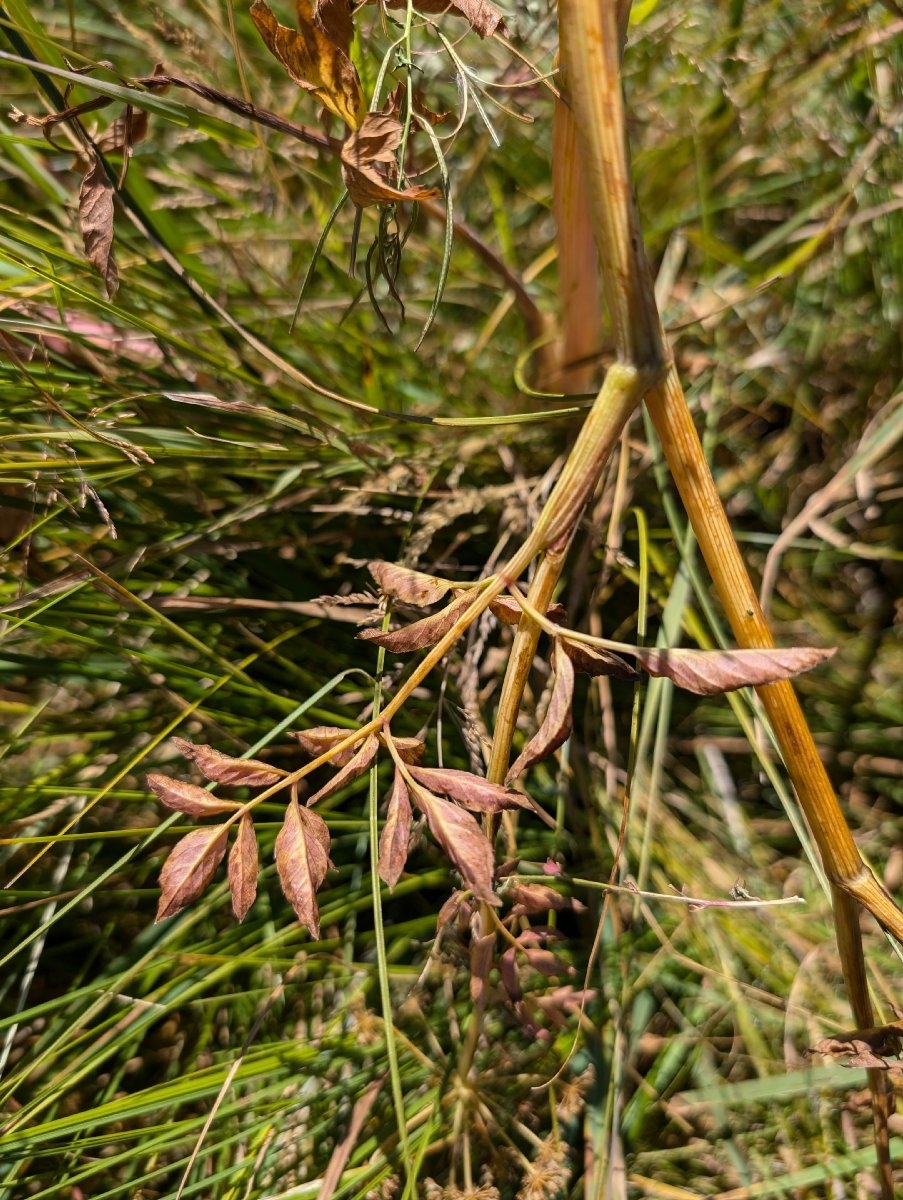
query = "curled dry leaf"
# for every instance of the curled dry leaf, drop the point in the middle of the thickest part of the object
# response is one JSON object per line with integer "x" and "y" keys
{"x": 95, "y": 218}
{"x": 302, "y": 859}
{"x": 321, "y": 738}
{"x": 556, "y": 728}
{"x": 244, "y": 867}
{"x": 396, "y": 834}
{"x": 461, "y": 838}
{"x": 126, "y": 131}
{"x": 223, "y": 768}
{"x": 421, "y": 634}
{"x": 485, "y": 19}
{"x": 530, "y": 898}
{"x": 474, "y": 792}
{"x": 188, "y": 797}
{"x": 316, "y": 56}
{"x": 376, "y": 141}
{"x": 408, "y": 586}
{"x": 710, "y": 672}
{"x": 509, "y": 612}
{"x": 593, "y": 662}
{"x": 191, "y": 865}
{"x": 356, "y": 766}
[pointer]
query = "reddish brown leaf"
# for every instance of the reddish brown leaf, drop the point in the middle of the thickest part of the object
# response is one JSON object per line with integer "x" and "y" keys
{"x": 458, "y": 908}
{"x": 475, "y": 793}
{"x": 321, "y": 738}
{"x": 396, "y": 834}
{"x": 188, "y": 798}
{"x": 191, "y": 865}
{"x": 302, "y": 859}
{"x": 484, "y": 17}
{"x": 376, "y": 141}
{"x": 547, "y": 963}
{"x": 126, "y": 131}
{"x": 223, "y": 768}
{"x": 399, "y": 97}
{"x": 410, "y": 750}
{"x": 593, "y": 662}
{"x": 367, "y": 186}
{"x": 421, "y": 634}
{"x": 95, "y": 218}
{"x": 509, "y": 611}
{"x": 709, "y": 672}
{"x": 461, "y": 838}
{"x": 531, "y": 898}
{"x": 556, "y": 728}
{"x": 315, "y": 58}
{"x": 410, "y": 587}
{"x": 509, "y": 974}
{"x": 244, "y": 867}
{"x": 354, "y": 767}
{"x": 482, "y": 952}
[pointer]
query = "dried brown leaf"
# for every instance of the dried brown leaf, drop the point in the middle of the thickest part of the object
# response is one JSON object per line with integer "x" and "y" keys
{"x": 302, "y": 859}
{"x": 461, "y": 838}
{"x": 95, "y": 218}
{"x": 244, "y": 867}
{"x": 593, "y": 662}
{"x": 396, "y": 834}
{"x": 710, "y": 672}
{"x": 321, "y": 738}
{"x": 421, "y": 634}
{"x": 376, "y": 141}
{"x": 556, "y": 728}
{"x": 223, "y": 768}
{"x": 408, "y": 586}
{"x": 474, "y": 792}
{"x": 188, "y": 797}
{"x": 530, "y": 898}
{"x": 509, "y": 612}
{"x": 190, "y": 867}
{"x": 410, "y": 750}
{"x": 485, "y": 19}
{"x": 353, "y": 768}
{"x": 126, "y": 131}
{"x": 315, "y": 57}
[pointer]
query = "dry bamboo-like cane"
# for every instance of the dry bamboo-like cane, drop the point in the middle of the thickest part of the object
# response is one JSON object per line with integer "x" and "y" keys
{"x": 590, "y": 47}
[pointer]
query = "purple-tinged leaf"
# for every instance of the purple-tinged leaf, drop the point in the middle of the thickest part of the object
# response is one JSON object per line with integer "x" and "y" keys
{"x": 530, "y": 898}
{"x": 223, "y": 768}
{"x": 556, "y": 728}
{"x": 474, "y": 792}
{"x": 396, "y": 834}
{"x": 710, "y": 672}
{"x": 188, "y": 870}
{"x": 461, "y": 838}
{"x": 408, "y": 586}
{"x": 188, "y": 797}
{"x": 590, "y": 661}
{"x": 302, "y": 859}
{"x": 509, "y": 612}
{"x": 353, "y": 768}
{"x": 321, "y": 738}
{"x": 244, "y": 867}
{"x": 421, "y": 634}
{"x": 482, "y": 952}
